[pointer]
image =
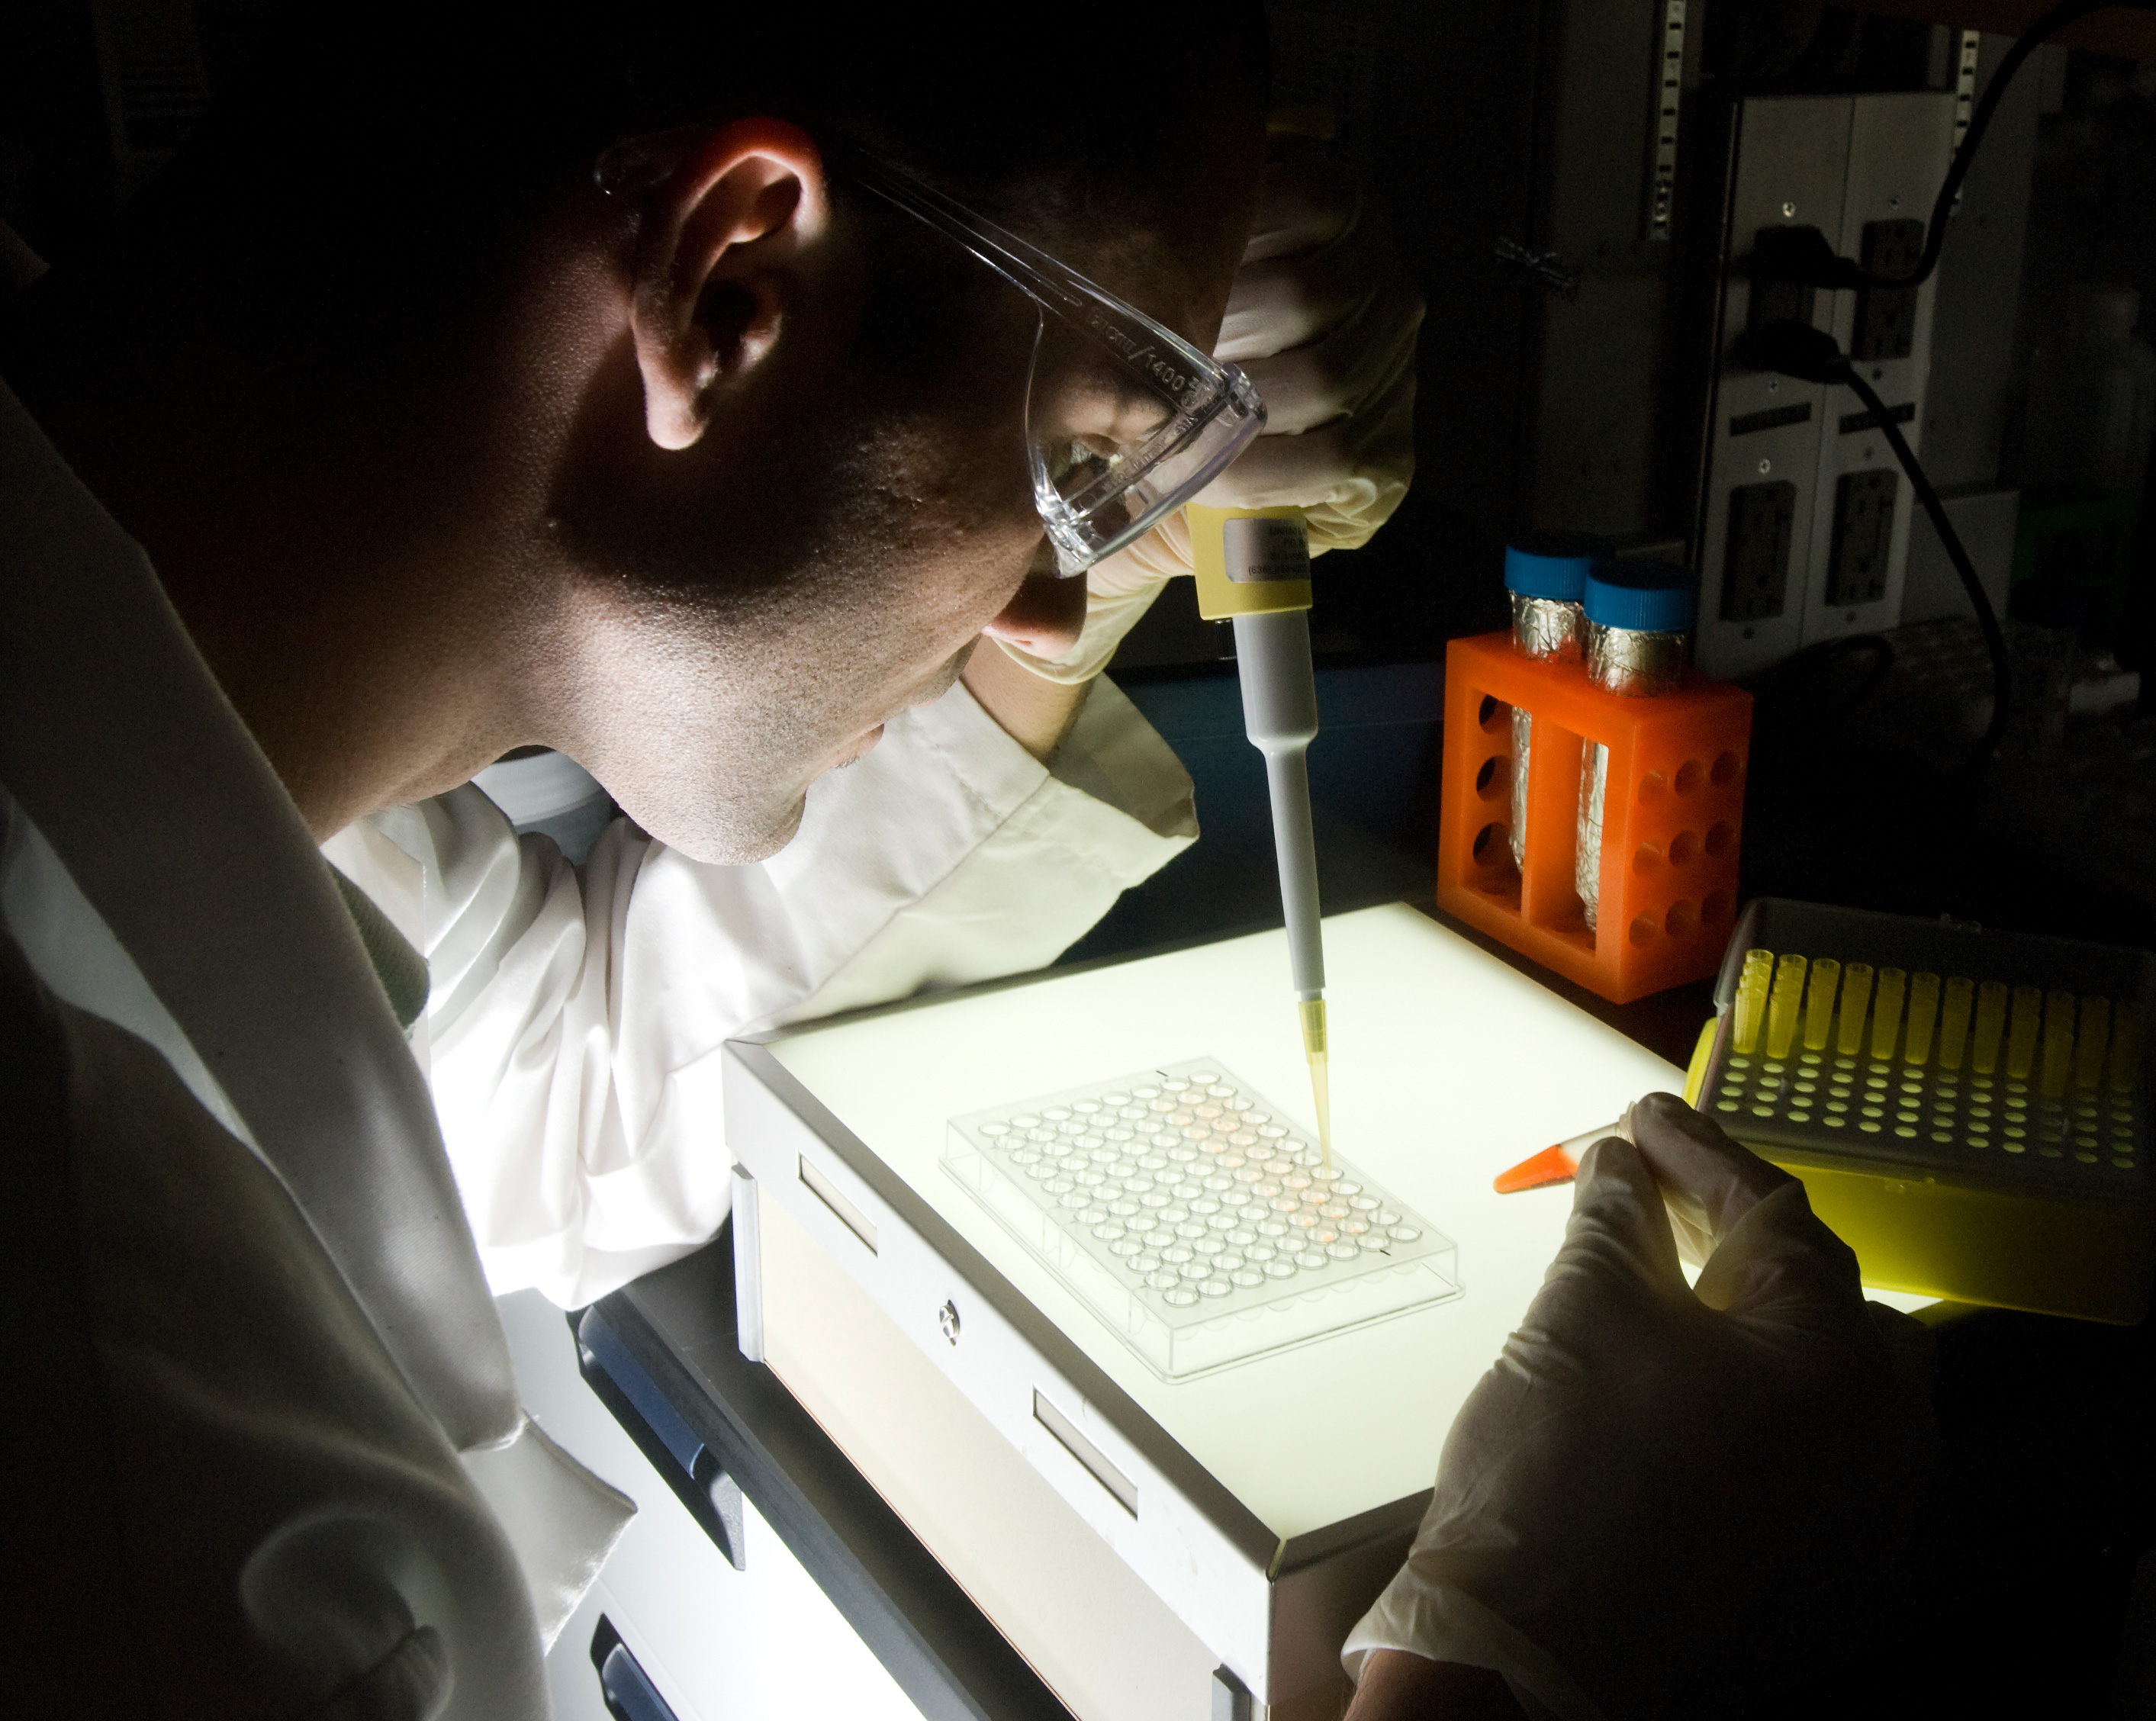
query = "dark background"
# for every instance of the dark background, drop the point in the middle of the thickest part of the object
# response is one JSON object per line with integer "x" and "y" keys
{"x": 1565, "y": 388}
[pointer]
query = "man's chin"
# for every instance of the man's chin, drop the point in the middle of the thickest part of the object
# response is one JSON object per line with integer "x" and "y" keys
{"x": 731, "y": 843}
{"x": 861, "y": 748}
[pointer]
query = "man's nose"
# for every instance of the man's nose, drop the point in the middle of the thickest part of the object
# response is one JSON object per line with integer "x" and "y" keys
{"x": 1044, "y": 616}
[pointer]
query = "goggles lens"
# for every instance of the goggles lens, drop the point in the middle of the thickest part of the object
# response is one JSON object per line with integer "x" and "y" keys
{"x": 1125, "y": 420}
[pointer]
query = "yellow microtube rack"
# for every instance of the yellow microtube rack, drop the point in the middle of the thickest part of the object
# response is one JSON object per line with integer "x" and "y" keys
{"x": 1967, "y": 1109}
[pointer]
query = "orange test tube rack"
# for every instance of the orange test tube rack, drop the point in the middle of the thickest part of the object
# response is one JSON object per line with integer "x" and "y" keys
{"x": 1672, "y": 812}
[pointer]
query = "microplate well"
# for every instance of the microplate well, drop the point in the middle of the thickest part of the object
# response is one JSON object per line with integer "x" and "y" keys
{"x": 1195, "y": 1219}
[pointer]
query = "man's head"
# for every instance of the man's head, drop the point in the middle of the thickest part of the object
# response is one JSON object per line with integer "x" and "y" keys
{"x": 748, "y": 443}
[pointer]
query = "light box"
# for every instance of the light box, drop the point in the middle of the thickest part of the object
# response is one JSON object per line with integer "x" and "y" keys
{"x": 1239, "y": 1515}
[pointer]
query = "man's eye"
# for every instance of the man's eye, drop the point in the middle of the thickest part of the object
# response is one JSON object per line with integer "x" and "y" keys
{"x": 1082, "y": 465}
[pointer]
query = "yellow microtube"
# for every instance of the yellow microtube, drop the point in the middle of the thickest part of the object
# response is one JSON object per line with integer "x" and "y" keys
{"x": 1953, "y": 1019}
{"x": 1818, "y": 1003}
{"x": 1751, "y": 1011}
{"x": 1923, "y": 1014}
{"x": 1887, "y": 1014}
{"x": 1990, "y": 1026}
{"x": 1855, "y": 994}
{"x": 2091, "y": 1038}
{"x": 2022, "y": 1031}
{"x": 2058, "y": 1042}
{"x": 1783, "y": 1005}
{"x": 2123, "y": 1068}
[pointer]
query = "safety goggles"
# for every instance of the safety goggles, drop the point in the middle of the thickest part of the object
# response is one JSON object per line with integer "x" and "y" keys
{"x": 1124, "y": 420}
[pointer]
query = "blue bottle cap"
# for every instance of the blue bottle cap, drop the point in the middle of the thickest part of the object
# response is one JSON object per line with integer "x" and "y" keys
{"x": 1550, "y": 565}
{"x": 1646, "y": 597}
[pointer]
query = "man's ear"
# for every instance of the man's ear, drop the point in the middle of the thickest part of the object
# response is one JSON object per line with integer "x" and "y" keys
{"x": 714, "y": 275}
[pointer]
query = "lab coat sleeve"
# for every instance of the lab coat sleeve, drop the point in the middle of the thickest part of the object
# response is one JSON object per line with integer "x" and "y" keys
{"x": 574, "y": 1025}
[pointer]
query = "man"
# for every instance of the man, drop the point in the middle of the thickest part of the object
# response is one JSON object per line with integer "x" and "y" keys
{"x": 575, "y": 1024}
{"x": 577, "y": 385}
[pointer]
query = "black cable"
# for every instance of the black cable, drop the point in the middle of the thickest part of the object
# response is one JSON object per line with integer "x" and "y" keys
{"x": 1994, "y": 640}
{"x": 1797, "y": 349}
{"x": 1839, "y": 272}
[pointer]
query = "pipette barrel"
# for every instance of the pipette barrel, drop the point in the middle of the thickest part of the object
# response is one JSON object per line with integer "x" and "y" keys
{"x": 2091, "y": 1040}
{"x": 1287, "y": 774}
{"x": 1953, "y": 1019}
{"x": 1887, "y": 1014}
{"x": 2058, "y": 1043}
{"x": 2022, "y": 1030}
{"x": 1280, "y": 714}
{"x": 1990, "y": 1026}
{"x": 1818, "y": 1003}
{"x": 1855, "y": 998}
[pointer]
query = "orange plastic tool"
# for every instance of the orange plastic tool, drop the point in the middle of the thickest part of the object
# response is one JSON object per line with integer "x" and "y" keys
{"x": 1552, "y": 1165}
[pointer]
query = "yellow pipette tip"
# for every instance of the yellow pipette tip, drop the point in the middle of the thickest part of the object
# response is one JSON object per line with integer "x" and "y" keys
{"x": 1311, "y": 1011}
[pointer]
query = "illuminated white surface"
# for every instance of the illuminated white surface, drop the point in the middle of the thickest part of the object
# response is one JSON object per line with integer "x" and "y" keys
{"x": 1447, "y": 1065}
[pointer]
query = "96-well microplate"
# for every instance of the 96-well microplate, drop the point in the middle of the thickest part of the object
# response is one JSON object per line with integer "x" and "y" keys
{"x": 1195, "y": 1217}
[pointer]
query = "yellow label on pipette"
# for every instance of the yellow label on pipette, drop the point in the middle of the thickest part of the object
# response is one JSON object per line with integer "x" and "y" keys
{"x": 1245, "y": 563}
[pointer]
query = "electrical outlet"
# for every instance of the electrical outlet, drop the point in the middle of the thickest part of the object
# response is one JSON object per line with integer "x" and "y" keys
{"x": 1887, "y": 316}
{"x": 1900, "y": 143}
{"x": 1863, "y": 534}
{"x": 1765, "y": 429}
{"x": 1775, "y": 298}
{"x": 1816, "y": 177}
{"x": 1755, "y": 572}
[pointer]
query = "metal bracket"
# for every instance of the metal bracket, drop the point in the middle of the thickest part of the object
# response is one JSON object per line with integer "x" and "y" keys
{"x": 748, "y": 1267}
{"x": 1231, "y": 1697}
{"x": 1669, "y": 94}
{"x": 1969, "y": 49}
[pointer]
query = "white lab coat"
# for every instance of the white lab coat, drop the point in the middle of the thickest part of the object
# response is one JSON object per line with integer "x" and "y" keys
{"x": 295, "y": 1389}
{"x": 255, "y": 1292}
{"x": 573, "y": 1029}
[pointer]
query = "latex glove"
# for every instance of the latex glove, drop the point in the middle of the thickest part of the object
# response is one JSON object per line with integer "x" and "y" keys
{"x": 1658, "y": 1497}
{"x": 1323, "y": 315}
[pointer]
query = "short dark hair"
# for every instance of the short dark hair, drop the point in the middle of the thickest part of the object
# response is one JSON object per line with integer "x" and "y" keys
{"x": 370, "y": 141}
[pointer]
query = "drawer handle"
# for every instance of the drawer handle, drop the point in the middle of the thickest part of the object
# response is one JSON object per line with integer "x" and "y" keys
{"x": 849, "y": 1216}
{"x": 1094, "y": 1461}
{"x": 624, "y": 1686}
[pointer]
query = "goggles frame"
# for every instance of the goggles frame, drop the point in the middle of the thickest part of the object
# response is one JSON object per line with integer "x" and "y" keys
{"x": 1211, "y": 410}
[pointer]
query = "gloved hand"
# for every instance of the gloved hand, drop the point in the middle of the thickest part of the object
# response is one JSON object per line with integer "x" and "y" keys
{"x": 1658, "y": 1497}
{"x": 1322, "y": 316}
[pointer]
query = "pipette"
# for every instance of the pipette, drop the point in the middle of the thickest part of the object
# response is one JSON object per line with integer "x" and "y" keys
{"x": 1253, "y": 567}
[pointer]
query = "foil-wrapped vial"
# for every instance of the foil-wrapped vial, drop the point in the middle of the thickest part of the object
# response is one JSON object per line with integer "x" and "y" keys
{"x": 1640, "y": 617}
{"x": 1545, "y": 578}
